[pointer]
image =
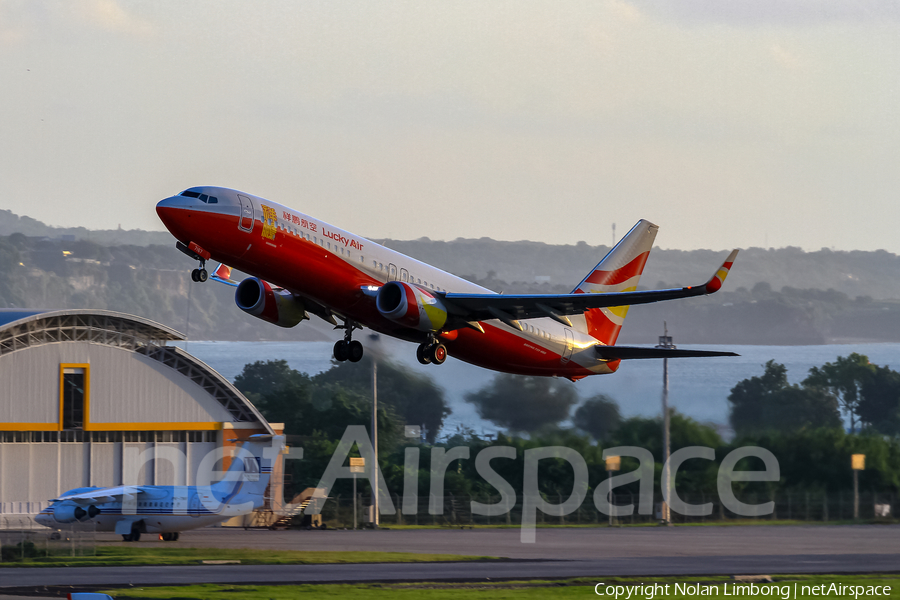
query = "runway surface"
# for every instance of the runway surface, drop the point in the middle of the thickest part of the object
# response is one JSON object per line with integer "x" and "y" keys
{"x": 594, "y": 552}
{"x": 574, "y": 543}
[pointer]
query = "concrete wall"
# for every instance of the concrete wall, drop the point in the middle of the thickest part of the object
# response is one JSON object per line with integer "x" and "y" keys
{"x": 125, "y": 387}
{"x": 39, "y": 471}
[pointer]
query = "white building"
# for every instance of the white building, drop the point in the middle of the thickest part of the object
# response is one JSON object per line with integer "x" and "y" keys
{"x": 79, "y": 389}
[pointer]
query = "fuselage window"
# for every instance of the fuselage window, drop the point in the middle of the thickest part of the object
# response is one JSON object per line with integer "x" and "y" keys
{"x": 315, "y": 241}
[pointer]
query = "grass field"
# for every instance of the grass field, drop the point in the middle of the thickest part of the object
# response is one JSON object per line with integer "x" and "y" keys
{"x": 110, "y": 556}
{"x": 570, "y": 588}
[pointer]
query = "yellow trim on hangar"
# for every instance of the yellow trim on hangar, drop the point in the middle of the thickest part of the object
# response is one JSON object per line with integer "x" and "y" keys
{"x": 29, "y": 426}
{"x": 172, "y": 426}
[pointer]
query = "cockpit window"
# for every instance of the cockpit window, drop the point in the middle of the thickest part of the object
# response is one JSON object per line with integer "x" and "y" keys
{"x": 202, "y": 197}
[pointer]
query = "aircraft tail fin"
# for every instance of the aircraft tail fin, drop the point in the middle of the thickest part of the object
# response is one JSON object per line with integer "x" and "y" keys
{"x": 619, "y": 271}
{"x": 251, "y": 466}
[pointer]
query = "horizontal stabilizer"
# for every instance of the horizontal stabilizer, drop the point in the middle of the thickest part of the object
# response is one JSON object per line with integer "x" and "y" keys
{"x": 635, "y": 352}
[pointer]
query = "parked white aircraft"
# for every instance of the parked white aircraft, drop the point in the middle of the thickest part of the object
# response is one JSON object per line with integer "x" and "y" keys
{"x": 165, "y": 509}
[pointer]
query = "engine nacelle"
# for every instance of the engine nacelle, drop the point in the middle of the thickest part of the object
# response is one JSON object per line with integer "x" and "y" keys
{"x": 256, "y": 297}
{"x": 412, "y": 306}
{"x": 69, "y": 512}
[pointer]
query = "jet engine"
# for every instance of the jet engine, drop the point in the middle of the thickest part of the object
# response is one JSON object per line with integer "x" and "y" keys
{"x": 412, "y": 306}
{"x": 68, "y": 512}
{"x": 275, "y": 305}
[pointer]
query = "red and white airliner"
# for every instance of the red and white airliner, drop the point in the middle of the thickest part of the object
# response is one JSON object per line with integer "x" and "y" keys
{"x": 302, "y": 265}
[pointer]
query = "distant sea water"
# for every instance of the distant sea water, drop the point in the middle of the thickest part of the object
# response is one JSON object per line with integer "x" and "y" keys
{"x": 698, "y": 387}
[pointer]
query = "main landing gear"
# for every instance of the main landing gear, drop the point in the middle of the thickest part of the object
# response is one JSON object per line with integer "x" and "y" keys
{"x": 431, "y": 351}
{"x": 134, "y": 536}
{"x": 348, "y": 348}
{"x": 169, "y": 537}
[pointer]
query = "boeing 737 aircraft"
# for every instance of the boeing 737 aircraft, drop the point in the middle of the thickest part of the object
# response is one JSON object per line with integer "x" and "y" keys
{"x": 167, "y": 510}
{"x": 301, "y": 265}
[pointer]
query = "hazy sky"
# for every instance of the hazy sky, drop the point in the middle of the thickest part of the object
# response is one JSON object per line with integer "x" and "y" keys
{"x": 727, "y": 122}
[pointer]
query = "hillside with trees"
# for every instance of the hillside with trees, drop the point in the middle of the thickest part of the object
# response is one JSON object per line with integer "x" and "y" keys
{"x": 783, "y": 296}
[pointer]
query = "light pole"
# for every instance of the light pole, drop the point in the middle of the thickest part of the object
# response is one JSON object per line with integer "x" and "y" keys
{"x": 857, "y": 463}
{"x": 375, "y": 517}
{"x": 665, "y": 342}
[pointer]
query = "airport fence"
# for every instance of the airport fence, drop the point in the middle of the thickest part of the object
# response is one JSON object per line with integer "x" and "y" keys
{"x": 458, "y": 510}
{"x": 22, "y": 539}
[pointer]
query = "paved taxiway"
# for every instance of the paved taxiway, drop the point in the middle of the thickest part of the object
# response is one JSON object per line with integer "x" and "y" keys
{"x": 584, "y": 552}
{"x": 575, "y": 543}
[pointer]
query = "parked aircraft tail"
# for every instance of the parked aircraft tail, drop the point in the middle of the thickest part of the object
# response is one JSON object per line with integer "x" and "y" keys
{"x": 251, "y": 466}
{"x": 619, "y": 271}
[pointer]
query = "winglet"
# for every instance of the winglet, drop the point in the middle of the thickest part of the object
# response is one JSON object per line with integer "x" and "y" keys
{"x": 222, "y": 274}
{"x": 716, "y": 281}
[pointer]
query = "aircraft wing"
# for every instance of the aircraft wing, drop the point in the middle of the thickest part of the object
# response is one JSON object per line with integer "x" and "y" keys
{"x": 222, "y": 274}
{"x": 510, "y": 308}
{"x": 104, "y": 495}
{"x": 634, "y": 352}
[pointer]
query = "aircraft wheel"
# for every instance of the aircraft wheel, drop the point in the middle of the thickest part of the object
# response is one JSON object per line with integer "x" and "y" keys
{"x": 135, "y": 535}
{"x": 202, "y": 275}
{"x": 175, "y": 537}
{"x": 354, "y": 351}
{"x": 422, "y": 355}
{"x": 195, "y": 275}
{"x": 341, "y": 352}
{"x": 126, "y": 537}
{"x": 437, "y": 353}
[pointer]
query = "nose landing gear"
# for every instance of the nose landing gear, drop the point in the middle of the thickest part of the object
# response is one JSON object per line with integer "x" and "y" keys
{"x": 348, "y": 348}
{"x": 199, "y": 254}
{"x": 200, "y": 275}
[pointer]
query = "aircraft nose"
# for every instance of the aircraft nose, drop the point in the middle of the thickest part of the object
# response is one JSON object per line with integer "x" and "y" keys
{"x": 171, "y": 211}
{"x": 171, "y": 202}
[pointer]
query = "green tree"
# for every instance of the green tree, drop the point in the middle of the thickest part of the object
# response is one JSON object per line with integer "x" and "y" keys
{"x": 598, "y": 416}
{"x": 413, "y": 397}
{"x": 843, "y": 378}
{"x": 879, "y": 401}
{"x": 519, "y": 403}
{"x": 262, "y": 377}
{"x": 646, "y": 433}
{"x": 769, "y": 402}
